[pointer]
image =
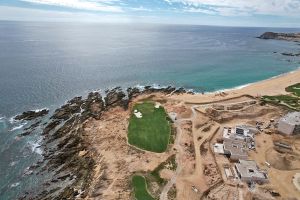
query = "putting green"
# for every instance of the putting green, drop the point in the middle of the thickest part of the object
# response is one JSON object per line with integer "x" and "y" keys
{"x": 152, "y": 131}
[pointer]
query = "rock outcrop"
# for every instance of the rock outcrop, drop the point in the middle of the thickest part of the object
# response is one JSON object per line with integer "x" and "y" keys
{"x": 281, "y": 36}
{"x": 68, "y": 157}
{"x": 290, "y": 54}
{"x": 30, "y": 115}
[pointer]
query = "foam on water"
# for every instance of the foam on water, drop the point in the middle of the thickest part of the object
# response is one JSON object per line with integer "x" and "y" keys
{"x": 15, "y": 185}
{"x": 13, "y": 163}
{"x": 40, "y": 109}
{"x": 12, "y": 120}
{"x": 36, "y": 146}
{"x": 20, "y": 126}
{"x": 248, "y": 84}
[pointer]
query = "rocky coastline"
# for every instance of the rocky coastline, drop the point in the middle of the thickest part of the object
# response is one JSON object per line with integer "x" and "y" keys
{"x": 67, "y": 156}
{"x": 294, "y": 37}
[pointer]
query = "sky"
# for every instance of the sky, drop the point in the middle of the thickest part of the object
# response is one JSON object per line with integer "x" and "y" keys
{"x": 259, "y": 13}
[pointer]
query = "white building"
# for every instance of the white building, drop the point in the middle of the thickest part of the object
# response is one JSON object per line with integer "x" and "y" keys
{"x": 290, "y": 124}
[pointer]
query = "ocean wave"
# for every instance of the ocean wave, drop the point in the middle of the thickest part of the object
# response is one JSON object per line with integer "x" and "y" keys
{"x": 248, "y": 84}
{"x": 12, "y": 120}
{"x": 40, "y": 109}
{"x": 15, "y": 184}
{"x": 158, "y": 86}
{"x": 36, "y": 147}
{"x": 13, "y": 163}
{"x": 18, "y": 126}
{"x": 229, "y": 89}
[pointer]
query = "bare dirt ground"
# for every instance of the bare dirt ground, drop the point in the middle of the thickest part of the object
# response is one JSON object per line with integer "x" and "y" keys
{"x": 117, "y": 161}
{"x": 200, "y": 173}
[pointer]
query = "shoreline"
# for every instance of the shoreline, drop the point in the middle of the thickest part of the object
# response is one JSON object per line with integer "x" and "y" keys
{"x": 272, "y": 86}
{"x": 249, "y": 84}
{"x": 159, "y": 87}
{"x": 78, "y": 116}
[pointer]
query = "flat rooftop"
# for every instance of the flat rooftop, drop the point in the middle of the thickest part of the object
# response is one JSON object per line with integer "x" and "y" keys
{"x": 235, "y": 147}
{"x": 292, "y": 118}
{"x": 248, "y": 168}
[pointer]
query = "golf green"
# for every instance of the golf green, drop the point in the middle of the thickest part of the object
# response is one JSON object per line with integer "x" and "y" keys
{"x": 151, "y": 131}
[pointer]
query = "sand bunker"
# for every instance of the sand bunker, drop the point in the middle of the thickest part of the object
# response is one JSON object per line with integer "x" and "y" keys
{"x": 138, "y": 114}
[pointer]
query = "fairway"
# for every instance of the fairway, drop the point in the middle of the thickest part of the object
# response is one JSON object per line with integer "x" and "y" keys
{"x": 291, "y": 101}
{"x": 295, "y": 89}
{"x": 140, "y": 188}
{"x": 152, "y": 131}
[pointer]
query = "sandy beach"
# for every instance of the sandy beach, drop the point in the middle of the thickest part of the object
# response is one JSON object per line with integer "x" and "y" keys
{"x": 272, "y": 86}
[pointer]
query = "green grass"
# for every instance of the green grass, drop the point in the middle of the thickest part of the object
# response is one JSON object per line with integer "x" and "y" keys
{"x": 140, "y": 188}
{"x": 295, "y": 89}
{"x": 152, "y": 131}
{"x": 285, "y": 100}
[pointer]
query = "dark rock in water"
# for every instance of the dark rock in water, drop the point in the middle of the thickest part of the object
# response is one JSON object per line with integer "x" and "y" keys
{"x": 25, "y": 133}
{"x": 133, "y": 92}
{"x": 30, "y": 129}
{"x": 30, "y": 115}
{"x": 287, "y": 54}
{"x": 115, "y": 97}
{"x": 180, "y": 91}
{"x": 32, "y": 126}
{"x": 165, "y": 90}
{"x": 72, "y": 107}
{"x": 64, "y": 141}
{"x": 290, "y": 54}
{"x": 169, "y": 89}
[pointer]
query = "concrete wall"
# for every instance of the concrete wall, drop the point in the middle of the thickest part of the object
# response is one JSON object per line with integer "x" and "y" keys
{"x": 238, "y": 157}
{"x": 285, "y": 128}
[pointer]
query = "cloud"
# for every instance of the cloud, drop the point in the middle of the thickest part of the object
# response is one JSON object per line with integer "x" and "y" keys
{"x": 91, "y": 5}
{"x": 242, "y": 7}
{"x": 30, "y": 14}
{"x": 141, "y": 8}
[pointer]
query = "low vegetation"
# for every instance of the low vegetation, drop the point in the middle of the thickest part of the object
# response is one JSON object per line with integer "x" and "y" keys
{"x": 168, "y": 164}
{"x": 291, "y": 101}
{"x": 284, "y": 100}
{"x": 140, "y": 188}
{"x": 295, "y": 89}
{"x": 152, "y": 130}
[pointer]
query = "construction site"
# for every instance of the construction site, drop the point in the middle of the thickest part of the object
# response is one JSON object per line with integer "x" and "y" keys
{"x": 230, "y": 147}
{"x": 234, "y": 150}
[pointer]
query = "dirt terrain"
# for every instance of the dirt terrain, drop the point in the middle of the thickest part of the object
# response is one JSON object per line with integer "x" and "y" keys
{"x": 197, "y": 125}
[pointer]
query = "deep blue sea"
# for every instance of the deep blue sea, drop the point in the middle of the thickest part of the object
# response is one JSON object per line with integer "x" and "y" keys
{"x": 44, "y": 64}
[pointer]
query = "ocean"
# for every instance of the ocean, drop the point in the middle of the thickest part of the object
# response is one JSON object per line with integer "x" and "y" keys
{"x": 45, "y": 64}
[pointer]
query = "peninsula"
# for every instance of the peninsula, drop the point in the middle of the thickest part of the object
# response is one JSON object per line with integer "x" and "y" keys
{"x": 170, "y": 143}
{"x": 109, "y": 148}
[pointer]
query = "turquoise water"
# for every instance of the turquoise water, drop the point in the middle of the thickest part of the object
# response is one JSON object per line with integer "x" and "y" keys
{"x": 44, "y": 64}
